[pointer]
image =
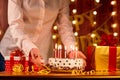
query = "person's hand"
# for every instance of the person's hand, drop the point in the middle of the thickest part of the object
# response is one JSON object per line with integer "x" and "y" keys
{"x": 77, "y": 54}
{"x": 35, "y": 57}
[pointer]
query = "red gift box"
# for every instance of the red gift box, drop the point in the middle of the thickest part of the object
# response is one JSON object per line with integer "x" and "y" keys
{"x": 103, "y": 58}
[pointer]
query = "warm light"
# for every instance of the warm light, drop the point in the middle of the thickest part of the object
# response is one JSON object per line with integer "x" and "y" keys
{"x": 94, "y": 44}
{"x": 55, "y": 27}
{"x": 92, "y": 35}
{"x": 97, "y": 1}
{"x": 72, "y": 0}
{"x": 56, "y": 46}
{"x": 95, "y": 12}
{"x": 94, "y": 22}
{"x": 54, "y": 36}
{"x": 115, "y": 34}
{"x": 76, "y": 33}
{"x": 114, "y": 25}
{"x": 74, "y": 11}
{"x": 0, "y": 32}
{"x": 113, "y": 2}
{"x": 60, "y": 47}
{"x": 113, "y": 13}
{"x": 74, "y": 22}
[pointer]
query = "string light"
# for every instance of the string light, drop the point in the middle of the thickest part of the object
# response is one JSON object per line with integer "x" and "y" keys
{"x": 97, "y": 1}
{"x": 0, "y": 32}
{"x": 94, "y": 23}
{"x": 113, "y": 2}
{"x": 94, "y": 44}
{"x": 74, "y": 11}
{"x": 72, "y": 0}
{"x": 54, "y": 37}
{"x": 113, "y": 13}
{"x": 95, "y": 12}
{"x": 76, "y": 33}
{"x": 92, "y": 35}
{"x": 55, "y": 28}
{"x": 114, "y": 25}
{"x": 74, "y": 22}
{"x": 115, "y": 34}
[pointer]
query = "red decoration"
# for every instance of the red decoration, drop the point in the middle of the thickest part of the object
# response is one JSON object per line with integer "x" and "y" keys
{"x": 108, "y": 40}
{"x": 17, "y": 57}
{"x": 112, "y": 58}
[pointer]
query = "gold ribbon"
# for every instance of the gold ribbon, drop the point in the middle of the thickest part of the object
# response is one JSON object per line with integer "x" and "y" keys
{"x": 78, "y": 72}
{"x": 18, "y": 68}
{"x": 45, "y": 71}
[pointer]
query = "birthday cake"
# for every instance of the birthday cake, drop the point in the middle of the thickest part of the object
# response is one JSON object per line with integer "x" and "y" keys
{"x": 65, "y": 64}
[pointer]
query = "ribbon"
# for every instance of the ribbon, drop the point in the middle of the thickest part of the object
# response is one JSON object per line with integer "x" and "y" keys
{"x": 108, "y": 40}
{"x": 46, "y": 70}
{"x": 105, "y": 58}
{"x": 90, "y": 58}
{"x": 78, "y": 72}
{"x": 112, "y": 58}
{"x": 18, "y": 68}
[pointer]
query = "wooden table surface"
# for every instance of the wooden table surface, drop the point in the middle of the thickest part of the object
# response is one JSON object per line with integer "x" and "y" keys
{"x": 60, "y": 75}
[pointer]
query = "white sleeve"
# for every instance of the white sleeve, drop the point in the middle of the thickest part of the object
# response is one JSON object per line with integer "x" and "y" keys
{"x": 16, "y": 26}
{"x": 65, "y": 26}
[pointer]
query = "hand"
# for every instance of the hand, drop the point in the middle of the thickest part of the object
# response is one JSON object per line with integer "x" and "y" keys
{"x": 77, "y": 54}
{"x": 35, "y": 57}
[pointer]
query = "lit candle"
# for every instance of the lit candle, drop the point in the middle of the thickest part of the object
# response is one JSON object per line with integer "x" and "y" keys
{"x": 76, "y": 49}
{"x": 60, "y": 51}
{"x": 55, "y": 51}
{"x": 65, "y": 53}
{"x": 71, "y": 47}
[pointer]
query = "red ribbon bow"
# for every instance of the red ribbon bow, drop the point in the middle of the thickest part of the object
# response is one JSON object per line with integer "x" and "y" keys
{"x": 108, "y": 40}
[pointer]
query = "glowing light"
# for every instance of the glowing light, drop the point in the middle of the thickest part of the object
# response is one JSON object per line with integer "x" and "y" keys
{"x": 95, "y": 12}
{"x": 94, "y": 44}
{"x": 92, "y": 35}
{"x": 115, "y": 34}
{"x": 74, "y": 11}
{"x": 76, "y": 33}
{"x": 72, "y": 0}
{"x": 0, "y": 32}
{"x": 94, "y": 22}
{"x": 54, "y": 36}
{"x": 55, "y": 27}
{"x": 113, "y": 2}
{"x": 114, "y": 25}
{"x": 97, "y": 1}
{"x": 113, "y": 13}
{"x": 74, "y": 22}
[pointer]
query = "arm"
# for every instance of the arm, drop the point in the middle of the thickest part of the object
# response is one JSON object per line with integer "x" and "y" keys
{"x": 16, "y": 26}
{"x": 64, "y": 25}
{"x": 66, "y": 30}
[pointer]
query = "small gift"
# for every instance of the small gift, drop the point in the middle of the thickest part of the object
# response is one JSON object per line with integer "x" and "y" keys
{"x": 17, "y": 58}
{"x": 106, "y": 56}
{"x": 103, "y": 58}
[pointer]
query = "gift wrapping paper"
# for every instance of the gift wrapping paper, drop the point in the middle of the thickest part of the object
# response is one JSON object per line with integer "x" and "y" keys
{"x": 103, "y": 58}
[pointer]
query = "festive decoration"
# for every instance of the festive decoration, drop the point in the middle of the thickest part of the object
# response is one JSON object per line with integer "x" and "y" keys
{"x": 18, "y": 68}
{"x": 17, "y": 57}
{"x": 108, "y": 40}
{"x": 103, "y": 58}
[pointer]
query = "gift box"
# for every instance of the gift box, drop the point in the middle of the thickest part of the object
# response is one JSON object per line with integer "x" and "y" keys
{"x": 103, "y": 58}
{"x": 17, "y": 60}
{"x": 7, "y": 63}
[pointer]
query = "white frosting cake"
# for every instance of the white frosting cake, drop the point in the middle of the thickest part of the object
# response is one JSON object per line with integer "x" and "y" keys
{"x": 65, "y": 63}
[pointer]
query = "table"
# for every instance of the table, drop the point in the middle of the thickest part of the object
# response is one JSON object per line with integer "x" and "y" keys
{"x": 35, "y": 75}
